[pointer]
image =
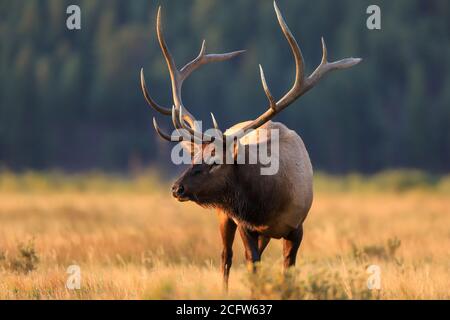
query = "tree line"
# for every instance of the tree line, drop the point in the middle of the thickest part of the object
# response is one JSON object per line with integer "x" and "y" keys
{"x": 72, "y": 100}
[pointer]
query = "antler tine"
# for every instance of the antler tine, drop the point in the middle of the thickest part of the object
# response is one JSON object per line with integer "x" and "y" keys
{"x": 216, "y": 125}
{"x": 148, "y": 98}
{"x": 324, "y": 52}
{"x": 175, "y": 121}
{"x": 187, "y": 133}
{"x": 173, "y": 71}
{"x": 301, "y": 84}
{"x": 198, "y": 135}
{"x": 162, "y": 134}
{"x": 298, "y": 56}
{"x": 325, "y": 67}
{"x": 178, "y": 126}
{"x": 183, "y": 124}
{"x": 273, "y": 103}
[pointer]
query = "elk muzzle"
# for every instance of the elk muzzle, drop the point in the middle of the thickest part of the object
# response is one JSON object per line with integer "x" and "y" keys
{"x": 179, "y": 192}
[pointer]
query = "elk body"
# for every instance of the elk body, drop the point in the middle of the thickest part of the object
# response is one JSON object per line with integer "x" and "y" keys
{"x": 260, "y": 207}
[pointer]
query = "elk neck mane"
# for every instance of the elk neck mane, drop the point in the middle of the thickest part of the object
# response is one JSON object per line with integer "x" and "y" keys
{"x": 249, "y": 197}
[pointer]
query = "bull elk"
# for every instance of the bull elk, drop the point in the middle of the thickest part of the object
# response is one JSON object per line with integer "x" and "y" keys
{"x": 261, "y": 207}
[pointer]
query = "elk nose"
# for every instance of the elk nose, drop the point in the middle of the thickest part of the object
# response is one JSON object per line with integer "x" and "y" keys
{"x": 178, "y": 190}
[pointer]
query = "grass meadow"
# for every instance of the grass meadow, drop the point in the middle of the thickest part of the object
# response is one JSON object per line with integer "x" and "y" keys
{"x": 131, "y": 240}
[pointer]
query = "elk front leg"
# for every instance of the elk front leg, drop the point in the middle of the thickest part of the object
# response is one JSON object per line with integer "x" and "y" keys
{"x": 290, "y": 247}
{"x": 227, "y": 231}
{"x": 250, "y": 241}
{"x": 262, "y": 244}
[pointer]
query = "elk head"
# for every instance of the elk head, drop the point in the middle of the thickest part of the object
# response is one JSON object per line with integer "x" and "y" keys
{"x": 206, "y": 182}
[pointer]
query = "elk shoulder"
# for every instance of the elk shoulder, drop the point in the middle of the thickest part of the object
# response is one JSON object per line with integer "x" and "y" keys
{"x": 275, "y": 204}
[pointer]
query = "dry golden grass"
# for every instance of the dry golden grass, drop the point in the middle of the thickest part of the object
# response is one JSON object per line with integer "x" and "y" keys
{"x": 133, "y": 241}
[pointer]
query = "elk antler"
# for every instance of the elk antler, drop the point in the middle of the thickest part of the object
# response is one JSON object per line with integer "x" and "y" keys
{"x": 184, "y": 122}
{"x": 302, "y": 84}
{"x": 179, "y": 113}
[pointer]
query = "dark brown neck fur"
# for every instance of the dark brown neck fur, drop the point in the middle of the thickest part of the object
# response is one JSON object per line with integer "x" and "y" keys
{"x": 248, "y": 200}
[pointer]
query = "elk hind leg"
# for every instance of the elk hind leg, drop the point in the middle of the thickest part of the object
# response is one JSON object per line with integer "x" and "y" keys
{"x": 291, "y": 243}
